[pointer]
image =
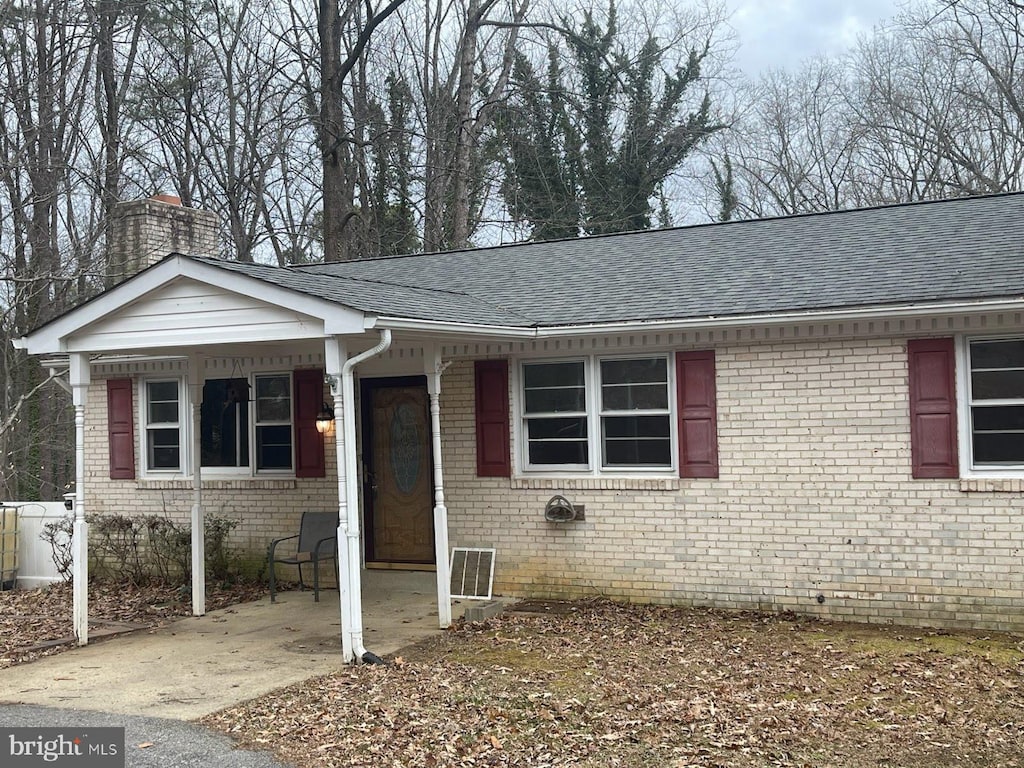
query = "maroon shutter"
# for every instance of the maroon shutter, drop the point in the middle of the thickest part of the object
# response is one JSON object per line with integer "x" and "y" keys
{"x": 120, "y": 430}
{"x": 493, "y": 457}
{"x": 309, "y": 444}
{"x": 698, "y": 418}
{"x": 932, "y": 370}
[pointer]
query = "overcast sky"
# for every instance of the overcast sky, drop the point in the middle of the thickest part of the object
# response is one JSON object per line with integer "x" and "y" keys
{"x": 783, "y": 33}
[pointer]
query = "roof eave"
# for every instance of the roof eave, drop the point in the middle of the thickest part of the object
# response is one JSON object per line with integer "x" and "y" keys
{"x": 451, "y": 328}
{"x": 931, "y": 309}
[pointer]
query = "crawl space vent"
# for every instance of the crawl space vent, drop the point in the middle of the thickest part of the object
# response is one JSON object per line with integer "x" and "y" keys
{"x": 472, "y": 573}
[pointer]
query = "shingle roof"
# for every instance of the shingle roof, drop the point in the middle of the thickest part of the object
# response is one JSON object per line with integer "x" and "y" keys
{"x": 380, "y": 297}
{"x": 964, "y": 249}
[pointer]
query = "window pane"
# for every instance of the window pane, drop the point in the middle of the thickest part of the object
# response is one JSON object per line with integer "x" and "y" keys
{"x": 638, "y": 453}
{"x": 634, "y": 371}
{"x": 163, "y": 449}
{"x": 637, "y": 441}
{"x": 999, "y": 448}
{"x": 163, "y": 413}
{"x": 997, "y": 385}
{"x": 572, "y": 400}
{"x": 553, "y": 374}
{"x": 558, "y": 452}
{"x": 224, "y": 425}
{"x": 629, "y": 385}
{"x": 633, "y": 397}
{"x": 636, "y": 426}
{"x": 998, "y": 418}
{"x": 997, "y": 354}
{"x": 273, "y": 398}
{"x": 554, "y": 388}
{"x": 162, "y": 398}
{"x": 552, "y": 429}
{"x": 274, "y": 447}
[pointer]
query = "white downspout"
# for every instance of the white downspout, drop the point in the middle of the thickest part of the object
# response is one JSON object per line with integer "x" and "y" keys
{"x": 348, "y": 470}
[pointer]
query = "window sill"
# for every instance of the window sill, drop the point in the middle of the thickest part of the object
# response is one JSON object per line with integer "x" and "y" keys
{"x": 604, "y": 483}
{"x": 992, "y": 485}
{"x": 237, "y": 484}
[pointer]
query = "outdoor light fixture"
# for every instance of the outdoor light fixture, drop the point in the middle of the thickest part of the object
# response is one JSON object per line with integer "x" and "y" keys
{"x": 325, "y": 420}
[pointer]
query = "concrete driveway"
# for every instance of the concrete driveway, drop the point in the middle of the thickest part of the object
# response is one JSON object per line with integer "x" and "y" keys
{"x": 196, "y": 666}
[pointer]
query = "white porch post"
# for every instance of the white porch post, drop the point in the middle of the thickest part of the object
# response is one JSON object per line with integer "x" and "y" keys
{"x": 444, "y": 600}
{"x": 195, "y": 393}
{"x": 80, "y": 377}
{"x": 335, "y": 357}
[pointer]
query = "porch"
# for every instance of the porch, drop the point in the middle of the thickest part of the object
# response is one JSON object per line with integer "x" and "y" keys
{"x": 198, "y": 665}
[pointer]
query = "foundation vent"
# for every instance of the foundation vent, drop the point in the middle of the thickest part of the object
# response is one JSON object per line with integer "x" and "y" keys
{"x": 472, "y": 572}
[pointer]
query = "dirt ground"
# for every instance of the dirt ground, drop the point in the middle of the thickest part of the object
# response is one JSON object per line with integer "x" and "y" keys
{"x": 600, "y": 684}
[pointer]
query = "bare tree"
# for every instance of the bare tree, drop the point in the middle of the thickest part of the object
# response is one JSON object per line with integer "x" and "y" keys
{"x": 47, "y": 53}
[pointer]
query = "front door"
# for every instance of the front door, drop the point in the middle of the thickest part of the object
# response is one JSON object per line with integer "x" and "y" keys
{"x": 398, "y": 487}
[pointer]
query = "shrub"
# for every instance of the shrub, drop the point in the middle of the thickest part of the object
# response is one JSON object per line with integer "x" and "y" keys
{"x": 58, "y": 535}
{"x": 146, "y": 548}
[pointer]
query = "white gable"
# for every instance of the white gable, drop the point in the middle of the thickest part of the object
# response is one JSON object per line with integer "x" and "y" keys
{"x": 187, "y": 312}
{"x": 182, "y": 303}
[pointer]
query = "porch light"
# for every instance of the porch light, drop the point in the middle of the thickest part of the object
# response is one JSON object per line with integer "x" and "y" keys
{"x": 325, "y": 420}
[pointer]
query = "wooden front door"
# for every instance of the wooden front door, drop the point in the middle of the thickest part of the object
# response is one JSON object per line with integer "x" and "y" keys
{"x": 398, "y": 488}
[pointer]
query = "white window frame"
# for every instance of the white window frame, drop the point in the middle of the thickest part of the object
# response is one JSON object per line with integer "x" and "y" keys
{"x": 183, "y": 424}
{"x": 255, "y": 424}
{"x": 595, "y": 436}
{"x": 965, "y": 421}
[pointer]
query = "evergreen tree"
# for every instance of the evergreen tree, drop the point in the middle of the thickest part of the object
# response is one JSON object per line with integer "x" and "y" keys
{"x": 593, "y": 157}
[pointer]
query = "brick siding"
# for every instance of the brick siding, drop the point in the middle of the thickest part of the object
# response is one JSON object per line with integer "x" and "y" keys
{"x": 815, "y": 498}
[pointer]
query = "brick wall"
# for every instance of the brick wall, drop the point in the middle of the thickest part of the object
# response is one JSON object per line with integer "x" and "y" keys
{"x": 815, "y": 498}
{"x": 264, "y": 508}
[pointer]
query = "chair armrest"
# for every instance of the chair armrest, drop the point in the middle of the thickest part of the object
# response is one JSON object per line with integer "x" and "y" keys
{"x": 275, "y": 542}
{"x": 316, "y": 549}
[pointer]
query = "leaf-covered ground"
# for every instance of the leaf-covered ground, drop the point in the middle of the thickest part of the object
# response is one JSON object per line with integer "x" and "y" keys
{"x": 600, "y": 684}
{"x": 32, "y": 618}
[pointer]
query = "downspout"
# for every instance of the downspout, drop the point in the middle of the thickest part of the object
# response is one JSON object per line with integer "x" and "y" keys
{"x": 354, "y": 575}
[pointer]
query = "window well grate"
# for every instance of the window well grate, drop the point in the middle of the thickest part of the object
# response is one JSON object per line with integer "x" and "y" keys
{"x": 472, "y": 573}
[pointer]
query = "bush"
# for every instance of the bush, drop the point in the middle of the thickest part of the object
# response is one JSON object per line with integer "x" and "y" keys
{"x": 115, "y": 547}
{"x": 141, "y": 549}
{"x": 58, "y": 535}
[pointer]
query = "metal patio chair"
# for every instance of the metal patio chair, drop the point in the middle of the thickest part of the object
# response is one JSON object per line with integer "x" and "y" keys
{"x": 317, "y": 543}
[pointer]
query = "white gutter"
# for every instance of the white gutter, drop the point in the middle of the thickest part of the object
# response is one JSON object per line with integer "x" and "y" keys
{"x": 462, "y": 329}
{"x": 704, "y": 323}
{"x": 354, "y": 575}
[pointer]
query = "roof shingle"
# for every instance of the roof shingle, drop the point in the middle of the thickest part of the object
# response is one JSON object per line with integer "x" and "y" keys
{"x": 963, "y": 249}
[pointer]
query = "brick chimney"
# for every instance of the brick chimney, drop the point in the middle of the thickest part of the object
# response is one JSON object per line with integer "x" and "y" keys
{"x": 143, "y": 232}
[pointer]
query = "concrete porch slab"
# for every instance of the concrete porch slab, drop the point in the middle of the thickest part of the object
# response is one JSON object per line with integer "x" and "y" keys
{"x": 198, "y": 665}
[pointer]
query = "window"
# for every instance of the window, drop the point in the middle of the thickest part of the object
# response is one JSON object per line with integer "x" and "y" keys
{"x": 274, "y": 422}
{"x": 224, "y": 423}
{"x": 555, "y": 407}
{"x": 245, "y": 425}
{"x": 616, "y": 409}
{"x": 163, "y": 425}
{"x": 635, "y": 417}
{"x": 995, "y": 394}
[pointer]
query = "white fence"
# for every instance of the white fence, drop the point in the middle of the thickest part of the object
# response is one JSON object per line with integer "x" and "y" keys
{"x": 35, "y": 558}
